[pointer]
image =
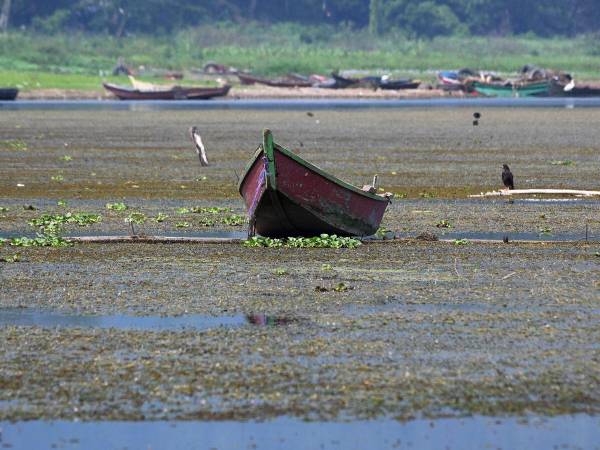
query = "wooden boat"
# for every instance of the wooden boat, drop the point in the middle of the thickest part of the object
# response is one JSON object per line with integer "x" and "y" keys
{"x": 290, "y": 81}
{"x": 343, "y": 82}
{"x": 406, "y": 83}
{"x": 288, "y": 196}
{"x": 510, "y": 89}
{"x": 8, "y": 93}
{"x": 170, "y": 93}
{"x": 574, "y": 90}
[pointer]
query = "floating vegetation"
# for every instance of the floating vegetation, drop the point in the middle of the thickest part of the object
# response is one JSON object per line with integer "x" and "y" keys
{"x": 11, "y": 259}
{"x": 427, "y": 194}
{"x": 280, "y": 271}
{"x": 183, "y": 225}
{"x": 160, "y": 217}
{"x": 545, "y": 230}
{"x": 61, "y": 203}
{"x": 3, "y": 209}
{"x": 183, "y": 210}
{"x": 66, "y": 158}
{"x": 57, "y": 178}
{"x": 444, "y": 224}
{"x": 461, "y": 242}
{"x": 15, "y": 144}
{"x": 119, "y": 206}
{"x": 42, "y": 240}
{"x": 400, "y": 195}
{"x": 209, "y": 210}
{"x": 562, "y": 162}
{"x": 326, "y": 267}
{"x": 137, "y": 218}
{"x": 46, "y": 221}
{"x": 206, "y": 222}
{"x": 234, "y": 219}
{"x": 340, "y": 287}
{"x": 322, "y": 241}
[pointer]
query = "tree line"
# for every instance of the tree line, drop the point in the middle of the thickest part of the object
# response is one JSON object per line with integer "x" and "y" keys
{"x": 415, "y": 18}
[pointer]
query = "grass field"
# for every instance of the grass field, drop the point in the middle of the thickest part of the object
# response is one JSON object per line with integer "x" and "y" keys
{"x": 80, "y": 62}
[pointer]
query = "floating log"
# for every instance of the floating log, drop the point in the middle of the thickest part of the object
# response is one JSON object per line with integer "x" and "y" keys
{"x": 576, "y": 192}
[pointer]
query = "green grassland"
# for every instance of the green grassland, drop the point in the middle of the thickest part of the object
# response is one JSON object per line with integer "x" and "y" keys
{"x": 80, "y": 61}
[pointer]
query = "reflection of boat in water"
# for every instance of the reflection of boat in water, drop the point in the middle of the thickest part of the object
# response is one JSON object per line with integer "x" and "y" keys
{"x": 8, "y": 93}
{"x": 169, "y": 93}
{"x": 288, "y": 196}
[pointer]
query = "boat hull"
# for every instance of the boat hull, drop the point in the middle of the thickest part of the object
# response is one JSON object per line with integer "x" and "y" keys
{"x": 292, "y": 81}
{"x": 8, "y": 93}
{"x": 177, "y": 93}
{"x": 526, "y": 90}
{"x": 287, "y": 196}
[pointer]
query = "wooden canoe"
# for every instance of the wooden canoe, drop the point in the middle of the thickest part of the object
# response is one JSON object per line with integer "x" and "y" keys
{"x": 509, "y": 89}
{"x": 288, "y": 196}
{"x": 290, "y": 81}
{"x": 8, "y": 93}
{"x": 173, "y": 93}
{"x": 398, "y": 84}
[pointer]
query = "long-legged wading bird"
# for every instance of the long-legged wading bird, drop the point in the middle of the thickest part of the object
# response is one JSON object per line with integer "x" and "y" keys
{"x": 507, "y": 177}
{"x": 200, "y": 150}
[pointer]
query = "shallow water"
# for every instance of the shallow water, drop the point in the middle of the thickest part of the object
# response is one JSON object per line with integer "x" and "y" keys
{"x": 566, "y": 432}
{"x": 49, "y": 318}
{"x": 296, "y": 104}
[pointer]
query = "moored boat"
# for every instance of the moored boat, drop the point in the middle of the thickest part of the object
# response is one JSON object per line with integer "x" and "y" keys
{"x": 509, "y": 89}
{"x": 403, "y": 83}
{"x": 288, "y": 196}
{"x": 8, "y": 93}
{"x": 169, "y": 93}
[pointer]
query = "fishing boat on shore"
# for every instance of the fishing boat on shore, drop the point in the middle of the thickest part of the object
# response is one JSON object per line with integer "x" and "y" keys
{"x": 572, "y": 89}
{"x": 288, "y": 196}
{"x": 8, "y": 93}
{"x": 166, "y": 93}
{"x": 509, "y": 89}
{"x": 403, "y": 83}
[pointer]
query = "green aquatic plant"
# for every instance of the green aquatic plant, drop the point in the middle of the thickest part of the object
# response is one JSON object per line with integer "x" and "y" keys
{"x": 57, "y": 178}
{"x": 160, "y": 217}
{"x": 119, "y": 206}
{"x": 210, "y": 210}
{"x": 206, "y": 222}
{"x": 562, "y": 162}
{"x": 326, "y": 267}
{"x": 135, "y": 218}
{"x": 461, "y": 242}
{"x": 41, "y": 240}
{"x": 259, "y": 241}
{"x": 11, "y": 259}
{"x": 61, "y": 203}
{"x": 545, "y": 230}
{"x": 444, "y": 224}
{"x": 322, "y": 241}
{"x": 52, "y": 220}
{"x": 183, "y": 225}
{"x": 234, "y": 219}
{"x": 3, "y": 209}
{"x": 280, "y": 271}
{"x": 183, "y": 210}
{"x": 426, "y": 194}
{"x": 400, "y": 195}
{"x": 15, "y": 144}
{"x": 66, "y": 158}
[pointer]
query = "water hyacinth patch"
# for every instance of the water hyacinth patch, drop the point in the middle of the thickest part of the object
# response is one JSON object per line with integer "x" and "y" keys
{"x": 119, "y": 206}
{"x": 322, "y": 241}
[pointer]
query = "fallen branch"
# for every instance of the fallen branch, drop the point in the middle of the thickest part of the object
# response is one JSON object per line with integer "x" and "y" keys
{"x": 576, "y": 192}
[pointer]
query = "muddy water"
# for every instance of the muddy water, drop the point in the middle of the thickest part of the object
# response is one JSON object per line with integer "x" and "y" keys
{"x": 400, "y": 329}
{"x": 570, "y": 432}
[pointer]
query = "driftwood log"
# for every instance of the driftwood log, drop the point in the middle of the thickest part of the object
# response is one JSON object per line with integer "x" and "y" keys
{"x": 576, "y": 192}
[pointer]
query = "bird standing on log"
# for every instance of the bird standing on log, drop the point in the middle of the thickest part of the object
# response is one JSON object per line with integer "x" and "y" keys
{"x": 507, "y": 177}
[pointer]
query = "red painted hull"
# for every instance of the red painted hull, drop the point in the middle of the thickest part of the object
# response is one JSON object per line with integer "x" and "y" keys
{"x": 177, "y": 93}
{"x": 287, "y": 196}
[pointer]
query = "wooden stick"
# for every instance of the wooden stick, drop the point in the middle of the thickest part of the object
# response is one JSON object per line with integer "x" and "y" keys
{"x": 575, "y": 192}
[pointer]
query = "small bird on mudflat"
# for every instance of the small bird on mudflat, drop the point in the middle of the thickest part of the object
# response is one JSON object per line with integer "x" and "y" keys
{"x": 200, "y": 150}
{"x": 507, "y": 177}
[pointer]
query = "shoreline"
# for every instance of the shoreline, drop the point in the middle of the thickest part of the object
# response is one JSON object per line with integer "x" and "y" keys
{"x": 262, "y": 92}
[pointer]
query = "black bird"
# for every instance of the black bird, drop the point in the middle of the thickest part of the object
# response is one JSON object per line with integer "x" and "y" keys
{"x": 507, "y": 177}
{"x": 477, "y": 115}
